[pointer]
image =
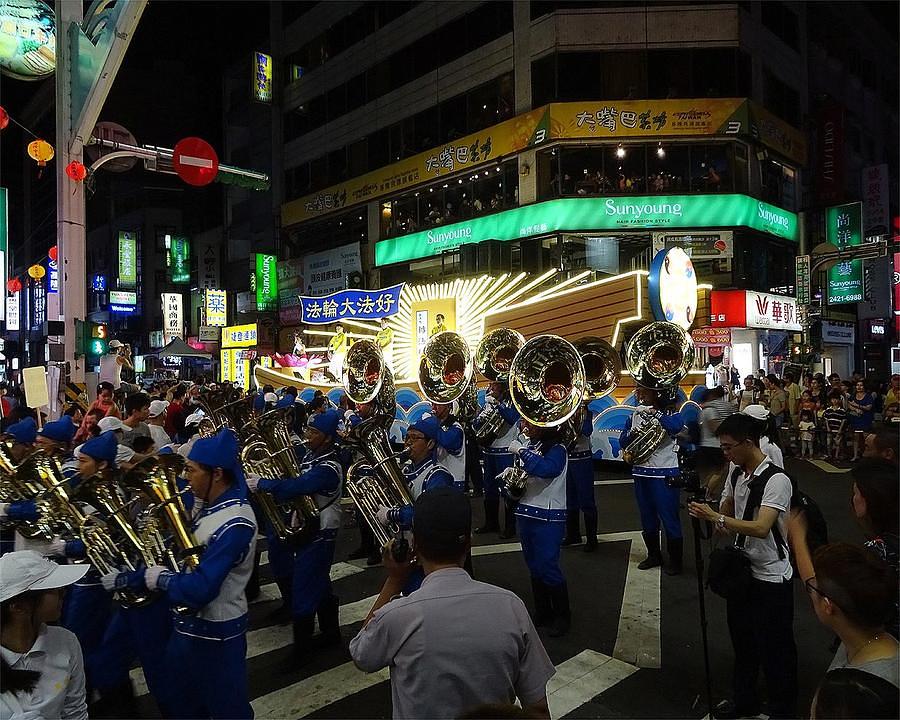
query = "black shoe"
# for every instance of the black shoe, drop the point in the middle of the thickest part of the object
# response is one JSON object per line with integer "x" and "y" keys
{"x": 654, "y": 559}
{"x": 374, "y": 558}
{"x": 329, "y": 623}
{"x": 562, "y": 614}
{"x": 727, "y": 710}
{"x": 543, "y": 605}
{"x": 358, "y": 554}
{"x": 590, "y": 530}
{"x": 675, "y": 551}
{"x": 485, "y": 529}
{"x": 303, "y": 632}
{"x": 591, "y": 545}
{"x": 569, "y": 541}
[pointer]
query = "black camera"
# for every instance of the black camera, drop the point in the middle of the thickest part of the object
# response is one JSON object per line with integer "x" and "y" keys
{"x": 688, "y": 478}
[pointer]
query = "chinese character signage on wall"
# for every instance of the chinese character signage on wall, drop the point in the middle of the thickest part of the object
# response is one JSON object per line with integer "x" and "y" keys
{"x": 290, "y": 286}
{"x": 98, "y": 283}
{"x": 802, "y": 278}
{"x": 173, "y": 316}
{"x": 12, "y": 311}
{"x": 750, "y": 309}
{"x": 38, "y": 304}
{"x": 697, "y": 245}
{"x": 326, "y": 272}
{"x": 216, "y": 303}
{"x": 266, "y": 283}
{"x": 52, "y": 276}
{"x": 843, "y": 228}
{"x": 262, "y": 77}
{"x": 239, "y": 336}
{"x": 127, "y": 259}
{"x": 352, "y": 304}
{"x": 156, "y": 339}
{"x": 876, "y": 199}
{"x": 179, "y": 259}
{"x": 207, "y": 250}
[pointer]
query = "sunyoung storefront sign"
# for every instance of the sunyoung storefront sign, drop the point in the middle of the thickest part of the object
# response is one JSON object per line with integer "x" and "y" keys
{"x": 592, "y": 214}
{"x": 351, "y": 304}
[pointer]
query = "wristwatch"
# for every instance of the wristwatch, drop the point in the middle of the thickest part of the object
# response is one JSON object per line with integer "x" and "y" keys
{"x": 720, "y": 522}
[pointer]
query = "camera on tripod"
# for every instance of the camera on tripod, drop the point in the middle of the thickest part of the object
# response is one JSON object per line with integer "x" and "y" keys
{"x": 688, "y": 478}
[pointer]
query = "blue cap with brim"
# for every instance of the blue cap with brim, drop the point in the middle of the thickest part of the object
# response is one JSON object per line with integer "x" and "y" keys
{"x": 103, "y": 447}
{"x": 220, "y": 451}
{"x": 62, "y": 430}
{"x": 326, "y": 422}
{"x": 428, "y": 425}
{"x": 24, "y": 431}
{"x": 286, "y": 402}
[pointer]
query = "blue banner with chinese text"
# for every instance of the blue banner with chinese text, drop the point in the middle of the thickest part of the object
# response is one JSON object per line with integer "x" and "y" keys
{"x": 350, "y": 304}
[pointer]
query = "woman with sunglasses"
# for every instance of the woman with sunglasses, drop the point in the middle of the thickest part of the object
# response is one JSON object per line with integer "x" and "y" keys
{"x": 852, "y": 593}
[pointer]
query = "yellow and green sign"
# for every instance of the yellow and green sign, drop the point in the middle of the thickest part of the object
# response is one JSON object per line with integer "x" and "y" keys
{"x": 262, "y": 77}
{"x": 592, "y": 214}
{"x": 843, "y": 227}
{"x": 127, "y": 259}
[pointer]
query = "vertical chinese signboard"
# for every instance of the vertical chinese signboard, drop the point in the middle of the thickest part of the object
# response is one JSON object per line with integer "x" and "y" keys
{"x": 173, "y": 316}
{"x": 207, "y": 263}
{"x": 179, "y": 259}
{"x": 266, "y": 283}
{"x": 216, "y": 308}
{"x": 802, "y": 279}
{"x": 262, "y": 77}
{"x": 843, "y": 228}
{"x": 127, "y": 259}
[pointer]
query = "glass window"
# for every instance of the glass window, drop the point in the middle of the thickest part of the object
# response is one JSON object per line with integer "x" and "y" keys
{"x": 667, "y": 168}
{"x": 579, "y": 76}
{"x": 510, "y": 175}
{"x": 741, "y": 168}
{"x": 548, "y": 178}
{"x": 710, "y": 168}
{"x": 714, "y": 73}
{"x": 623, "y": 75}
{"x": 543, "y": 80}
{"x": 581, "y": 170}
{"x": 625, "y": 168}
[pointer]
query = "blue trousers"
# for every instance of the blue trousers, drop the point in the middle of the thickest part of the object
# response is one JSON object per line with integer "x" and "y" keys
{"x": 494, "y": 464}
{"x": 580, "y": 484}
{"x": 210, "y": 680}
{"x": 541, "y": 541}
{"x": 312, "y": 573}
{"x": 657, "y": 501}
{"x": 88, "y": 612}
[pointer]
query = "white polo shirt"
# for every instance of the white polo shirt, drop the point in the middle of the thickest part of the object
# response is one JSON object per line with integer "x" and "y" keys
{"x": 763, "y": 552}
{"x": 59, "y": 692}
{"x": 453, "y": 644}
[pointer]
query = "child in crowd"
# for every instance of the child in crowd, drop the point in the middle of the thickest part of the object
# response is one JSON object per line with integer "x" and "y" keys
{"x": 835, "y": 420}
{"x": 807, "y": 429}
{"x": 807, "y": 402}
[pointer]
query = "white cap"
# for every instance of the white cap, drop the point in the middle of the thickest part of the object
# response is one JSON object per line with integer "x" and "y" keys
{"x": 757, "y": 412}
{"x": 270, "y": 397}
{"x": 194, "y": 417}
{"x": 158, "y": 407}
{"x": 112, "y": 423}
{"x": 115, "y": 344}
{"x": 26, "y": 570}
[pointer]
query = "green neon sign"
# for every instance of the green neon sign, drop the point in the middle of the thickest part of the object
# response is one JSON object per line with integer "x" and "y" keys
{"x": 180, "y": 259}
{"x": 590, "y": 214}
{"x": 266, "y": 283}
{"x": 843, "y": 227}
{"x": 127, "y": 259}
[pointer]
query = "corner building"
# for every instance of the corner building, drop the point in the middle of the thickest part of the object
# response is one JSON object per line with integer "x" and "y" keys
{"x": 448, "y": 139}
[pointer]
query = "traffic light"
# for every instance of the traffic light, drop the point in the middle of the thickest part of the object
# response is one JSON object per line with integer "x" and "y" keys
{"x": 97, "y": 344}
{"x": 79, "y": 337}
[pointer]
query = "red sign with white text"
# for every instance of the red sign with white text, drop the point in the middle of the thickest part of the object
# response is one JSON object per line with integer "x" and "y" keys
{"x": 751, "y": 309}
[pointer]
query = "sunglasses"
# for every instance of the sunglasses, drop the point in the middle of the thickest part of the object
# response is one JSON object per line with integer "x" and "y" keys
{"x": 810, "y": 589}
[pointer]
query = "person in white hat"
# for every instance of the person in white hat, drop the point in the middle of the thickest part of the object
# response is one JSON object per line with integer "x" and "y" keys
{"x": 125, "y": 456}
{"x": 111, "y": 364}
{"x": 156, "y": 422}
{"x": 767, "y": 431}
{"x": 41, "y": 665}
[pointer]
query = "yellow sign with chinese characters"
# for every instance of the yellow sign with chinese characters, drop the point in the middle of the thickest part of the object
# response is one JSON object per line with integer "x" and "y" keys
{"x": 262, "y": 77}
{"x": 239, "y": 336}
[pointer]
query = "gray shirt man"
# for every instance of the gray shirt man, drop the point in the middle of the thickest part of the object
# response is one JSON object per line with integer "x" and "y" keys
{"x": 454, "y": 644}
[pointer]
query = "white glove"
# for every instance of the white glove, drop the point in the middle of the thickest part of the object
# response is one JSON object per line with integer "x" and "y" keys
{"x": 382, "y": 516}
{"x": 56, "y": 548}
{"x": 252, "y": 481}
{"x": 109, "y": 580}
{"x": 4, "y": 509}
{"x": 151, "y": 575}
{"x": 515, "y": 446}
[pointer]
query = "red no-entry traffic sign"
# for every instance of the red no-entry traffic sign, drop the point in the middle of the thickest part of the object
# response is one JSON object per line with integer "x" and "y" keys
{"x": 195, "y": 161}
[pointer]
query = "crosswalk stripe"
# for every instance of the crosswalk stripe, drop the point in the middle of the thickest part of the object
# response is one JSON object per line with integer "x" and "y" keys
{"x": 827, "y": 466}
{"x": 315, "y": 692}
{"x": 638, "y": 634}
{"x": 583, "y": 677}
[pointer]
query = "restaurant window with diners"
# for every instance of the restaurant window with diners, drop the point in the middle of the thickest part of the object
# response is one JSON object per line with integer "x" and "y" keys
{"x": 654, "y": 168}
{"x": 348, "y": 227}
{"x": 488, "y": 190}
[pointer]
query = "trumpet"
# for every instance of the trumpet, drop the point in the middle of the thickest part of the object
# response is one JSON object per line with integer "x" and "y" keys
{"x": 376, "y": 480}
{"x": 493, "y": 359}
{"x": 267, "y": 451}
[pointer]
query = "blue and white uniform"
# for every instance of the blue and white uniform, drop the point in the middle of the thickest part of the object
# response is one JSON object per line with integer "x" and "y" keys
{"x": 656, "y": 500}
{"x": 321, "y": 476}
{"x": 580, "y": 476}
{"x": 497, "y": 457}
{"x": 426, "y": 475}
{"x": 541, "y": 511}
{"x": 451, "y": 452}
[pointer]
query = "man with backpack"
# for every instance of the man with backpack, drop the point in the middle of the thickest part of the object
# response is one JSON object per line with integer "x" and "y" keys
{"x": 755, "y": 506}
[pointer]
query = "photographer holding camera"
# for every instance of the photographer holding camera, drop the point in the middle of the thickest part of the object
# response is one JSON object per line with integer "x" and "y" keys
{"x": 760, "y": 605}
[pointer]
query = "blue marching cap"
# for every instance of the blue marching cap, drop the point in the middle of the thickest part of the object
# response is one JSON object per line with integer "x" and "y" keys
{"x": 326, "y": 422}
{"x": 259, "y": 401}
{"x": 286, "y": 402}
{"x": 220, "y": 450}
{"x": 428, "y": 425}
{"x": 62, "y": 430}
{"x": 102, "y": 447}
{"x": 24, "y": 431}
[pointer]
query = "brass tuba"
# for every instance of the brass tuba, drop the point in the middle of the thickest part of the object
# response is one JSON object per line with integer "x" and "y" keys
{"x": 446, "y": 367}
{"x": 376, "y": 480}
{"x": 493, "y": 359}
{"x": 547, "y": 385}
{"x": 267, "y": 451}
{"x": 602, "y": 369}
{"x": 17, "y": 482}
{"x": 164, "y": 525}
{"x": 658, "y": 356}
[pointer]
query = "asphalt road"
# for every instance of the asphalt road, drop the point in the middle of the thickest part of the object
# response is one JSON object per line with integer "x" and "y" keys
{"x": 634, "y": 649}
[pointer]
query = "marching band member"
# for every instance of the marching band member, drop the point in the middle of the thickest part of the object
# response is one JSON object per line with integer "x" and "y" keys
{"x": 366, "y": 547}
{"x": 451, "y": 444}
{"x": 657, "y": 500}
{"x": 211, "y": 642}
{"x": 541, "y": 516}
{"x": 580, "y": 487}
{"x": 42, "y": 665}
{"x": 337, "y": 350}
{"x": 322, "y": 478}
{"x": 497, "y": 458}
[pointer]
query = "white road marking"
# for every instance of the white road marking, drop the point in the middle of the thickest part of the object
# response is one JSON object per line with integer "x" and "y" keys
{"x": 827, "y": 466}
{"x": 638, "y": 635}
{"x": 583, "y": 677}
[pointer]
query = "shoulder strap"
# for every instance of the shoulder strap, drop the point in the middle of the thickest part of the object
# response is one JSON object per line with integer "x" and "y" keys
{"x": 754, "y": 501}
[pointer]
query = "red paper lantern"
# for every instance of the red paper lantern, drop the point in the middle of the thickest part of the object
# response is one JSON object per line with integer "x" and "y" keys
{"x": 14, "y": 285}
{"x": 4, "y": 118}
{"x": 53, "y": 253}
{"x": 76, "y": 171}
